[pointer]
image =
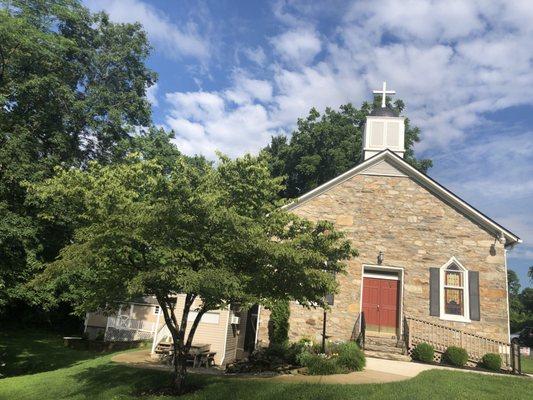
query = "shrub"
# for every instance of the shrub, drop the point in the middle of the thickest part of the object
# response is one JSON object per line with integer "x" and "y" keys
{"x": 318, "y": 364}
{"x": 351, "y": 357}
{"x": 294, "y": 350}
{"x": 276, "y": 350}
{"x": 304, "y": 358}
{"x": 278, "y": 327}
{"x": 423, "y": 352}
{"x": 456, "y": 356}
{"x": 492, "y": 361}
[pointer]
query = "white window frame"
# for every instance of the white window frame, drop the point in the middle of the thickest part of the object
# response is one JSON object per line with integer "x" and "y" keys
{"x": 157, "y": 310}
{"x": 466, "y": 294}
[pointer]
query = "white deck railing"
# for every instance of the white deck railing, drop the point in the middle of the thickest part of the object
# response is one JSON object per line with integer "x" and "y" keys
{"x": 123, "y": 322}
{"x": 162, "y": 334}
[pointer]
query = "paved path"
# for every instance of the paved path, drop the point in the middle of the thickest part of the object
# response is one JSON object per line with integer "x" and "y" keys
{"x": 376, "y": 371}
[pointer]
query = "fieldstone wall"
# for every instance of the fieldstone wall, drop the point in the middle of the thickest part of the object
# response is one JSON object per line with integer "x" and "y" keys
{"x": 416, "y": 231}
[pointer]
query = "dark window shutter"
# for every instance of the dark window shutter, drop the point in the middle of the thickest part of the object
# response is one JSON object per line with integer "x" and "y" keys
{"x": 473, "y": 293}
{"x": 434, "y": 292}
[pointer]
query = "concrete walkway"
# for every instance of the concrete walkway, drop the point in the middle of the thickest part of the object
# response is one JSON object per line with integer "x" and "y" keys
{"x": 376, "y": 371}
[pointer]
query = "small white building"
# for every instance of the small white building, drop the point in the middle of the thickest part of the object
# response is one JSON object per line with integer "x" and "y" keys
{"x": 230, "y": 332}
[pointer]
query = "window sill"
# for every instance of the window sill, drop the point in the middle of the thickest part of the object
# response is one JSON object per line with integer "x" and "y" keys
{"x": 456, "y": 318}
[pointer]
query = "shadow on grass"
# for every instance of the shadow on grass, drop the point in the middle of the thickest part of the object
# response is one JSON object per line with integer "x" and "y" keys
{"x": 109, "y": 379}
{"x": 28, "y": 352}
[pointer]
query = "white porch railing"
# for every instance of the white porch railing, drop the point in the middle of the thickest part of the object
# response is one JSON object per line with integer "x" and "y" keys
{"x": 124, "y": 322}
{"x": 162, "y": 334}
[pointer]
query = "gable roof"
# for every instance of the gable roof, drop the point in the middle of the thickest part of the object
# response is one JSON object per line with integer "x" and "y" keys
{"x": 422, "y": 179}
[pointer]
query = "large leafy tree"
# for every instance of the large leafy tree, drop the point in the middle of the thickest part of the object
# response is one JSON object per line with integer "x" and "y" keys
{"x": 520, "y": 303}
{"x": 324, "y": 146}
{"x": 72, "y": 86}
{"x": 215, "y": 234}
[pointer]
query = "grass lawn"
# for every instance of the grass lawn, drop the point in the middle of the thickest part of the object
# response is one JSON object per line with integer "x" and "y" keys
{"x": 73, "y": 374}
{"x": 28, "y": 351}
{"x": 100, "y": 378}
{"x": 527, "y": 364}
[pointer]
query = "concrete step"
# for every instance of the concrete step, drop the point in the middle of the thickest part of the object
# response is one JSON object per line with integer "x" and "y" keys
{"x": 381, "y": 341}
{"x": 387, "y": 356}
{"x": 383, "y": 349}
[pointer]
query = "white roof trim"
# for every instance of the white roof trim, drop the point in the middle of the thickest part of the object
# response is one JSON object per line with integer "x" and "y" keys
{"x": 424, "y": 180}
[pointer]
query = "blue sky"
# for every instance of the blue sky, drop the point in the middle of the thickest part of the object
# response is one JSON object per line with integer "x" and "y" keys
{"x": 234, "y": 73}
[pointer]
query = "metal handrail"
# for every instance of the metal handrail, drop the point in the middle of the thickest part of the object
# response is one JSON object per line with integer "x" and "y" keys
{"x": 362, "y": 335}
{"x": 359, "y": 330}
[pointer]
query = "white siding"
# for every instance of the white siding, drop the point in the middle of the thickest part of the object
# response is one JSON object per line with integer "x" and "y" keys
{"x": 382, "y": 168}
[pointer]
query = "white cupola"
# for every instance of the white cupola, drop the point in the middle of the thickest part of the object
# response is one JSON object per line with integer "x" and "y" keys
{"x": 384, "y": 129}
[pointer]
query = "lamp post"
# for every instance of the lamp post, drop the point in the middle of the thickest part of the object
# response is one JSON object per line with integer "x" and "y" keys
{"x": 330, "y": 300}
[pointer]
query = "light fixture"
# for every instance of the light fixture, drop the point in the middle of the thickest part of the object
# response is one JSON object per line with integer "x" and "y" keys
{"x": 380, "y": 257}
{"x": 501, "y": 238}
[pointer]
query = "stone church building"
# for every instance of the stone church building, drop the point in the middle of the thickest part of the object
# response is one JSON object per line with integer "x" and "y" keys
{"x": 428, "y": 261}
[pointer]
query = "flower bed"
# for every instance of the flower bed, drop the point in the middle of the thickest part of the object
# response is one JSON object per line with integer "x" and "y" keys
{"x": 303, "y": 357}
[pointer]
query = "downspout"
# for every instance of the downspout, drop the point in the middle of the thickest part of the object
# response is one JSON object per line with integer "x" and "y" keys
{"x": 225, "y": 336}
{"x": 257, "y": 325}
{"x": 507, "y": 295}
{"x": 156, "y": 331}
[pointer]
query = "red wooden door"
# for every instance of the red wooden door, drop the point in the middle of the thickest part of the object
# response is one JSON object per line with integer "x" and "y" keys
{"x": 380, "y": 304}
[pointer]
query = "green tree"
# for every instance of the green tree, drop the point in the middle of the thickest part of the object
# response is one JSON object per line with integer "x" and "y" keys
{"x": 72, "y": 87}
{"x": 520, "y": 303}
{"x": 516, "y": 309}
{"x": 526, "y": 298}
{"x": 324, "y": 146}
{"x": 530, "y": 273}
{"x": 513, "y": 283}
{"x": 217, "y": 235}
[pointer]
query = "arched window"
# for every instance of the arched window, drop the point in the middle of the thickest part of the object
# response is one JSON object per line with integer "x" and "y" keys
{"x": 454, "y": 296}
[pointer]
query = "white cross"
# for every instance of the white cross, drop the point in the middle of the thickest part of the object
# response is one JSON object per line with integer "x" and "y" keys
{"x": 384, "y": 92}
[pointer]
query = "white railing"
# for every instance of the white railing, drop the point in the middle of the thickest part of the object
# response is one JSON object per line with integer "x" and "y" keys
{"x": 441, "y": 337}
{"x": 124, "y": 322}
{"x": 162, "y": 334}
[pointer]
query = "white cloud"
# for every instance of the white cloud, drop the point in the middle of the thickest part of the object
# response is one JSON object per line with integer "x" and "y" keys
{"x": 151, "y": 95}
{"x": 256, "y": 55}
{"x": 298, "y": 46}
{"x": 197, "y": 106}
{"x": 205, "y": 122}
{"x": 418, "y": 20}
{"x": 171, "y": 39}
{"x": 246, "y": 90}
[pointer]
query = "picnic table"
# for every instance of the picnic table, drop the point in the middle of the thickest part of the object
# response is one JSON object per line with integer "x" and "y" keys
{"x": 199, "y": 354}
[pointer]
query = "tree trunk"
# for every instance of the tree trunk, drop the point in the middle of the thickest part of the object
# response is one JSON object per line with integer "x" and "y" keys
{"x": 181, "y": 348}
{"x": 180, "y": 371}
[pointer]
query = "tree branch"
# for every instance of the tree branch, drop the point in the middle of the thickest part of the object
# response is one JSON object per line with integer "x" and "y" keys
{"x": 189, "y": 299}
{"x": 193, "y": 328}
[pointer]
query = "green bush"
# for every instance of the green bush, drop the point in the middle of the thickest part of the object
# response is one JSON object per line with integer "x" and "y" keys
{"x": 456, "y": 356}
{"x": 304, "y": 358}
{"x": 293, "y": 351}
{"x": 423, "y": 352}
{"x": 351, "y": 357}
{"x": 318, "y": 364}
{"x": 276, "y": 350}
{"x": 278, "y": 326}
{"x": 492, "y": 361}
